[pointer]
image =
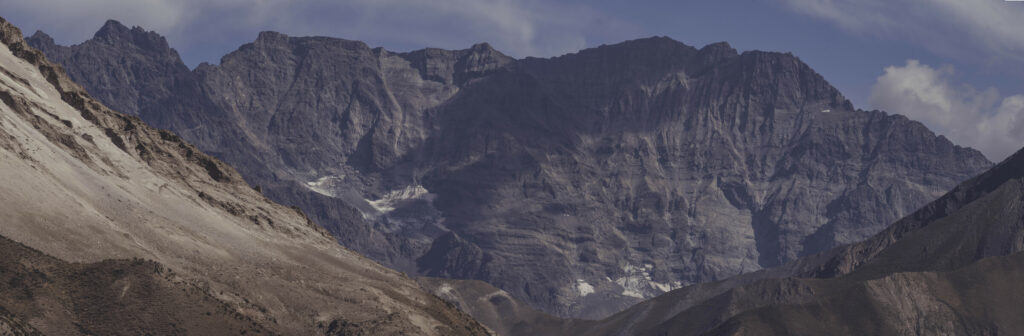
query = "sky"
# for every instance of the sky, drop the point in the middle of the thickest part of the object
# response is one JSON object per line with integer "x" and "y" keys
{"x": 955, "y": 65}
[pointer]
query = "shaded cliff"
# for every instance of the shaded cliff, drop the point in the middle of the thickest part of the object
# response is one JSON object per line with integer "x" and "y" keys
{"x": 949, "y": 268}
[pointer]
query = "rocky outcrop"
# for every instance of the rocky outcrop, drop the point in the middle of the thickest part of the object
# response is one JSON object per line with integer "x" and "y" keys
{"x": 141, "y": 71}
{"x": 580, "y": 184}
{"x": 495, "y": 308}
{"x": 112, "y": 297}
{"x": 113, "y": 227}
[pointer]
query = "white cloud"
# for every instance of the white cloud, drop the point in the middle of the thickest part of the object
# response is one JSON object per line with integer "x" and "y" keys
{"x": 982, "y": 119}
{"x": 964, "y": 29}
{"x": 517, "y": 27}
{"x": 983, "y": 32}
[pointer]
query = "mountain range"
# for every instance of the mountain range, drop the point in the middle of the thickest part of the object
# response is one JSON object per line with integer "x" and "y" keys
{"x": 484, "y": 175}
{"x": 579, "y": 185}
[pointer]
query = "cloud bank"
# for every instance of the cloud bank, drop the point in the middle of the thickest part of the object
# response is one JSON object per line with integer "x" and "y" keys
{"x": 517, "y": 27}
{"x": 982, "y": 119}
{"x": 954, "y": 28}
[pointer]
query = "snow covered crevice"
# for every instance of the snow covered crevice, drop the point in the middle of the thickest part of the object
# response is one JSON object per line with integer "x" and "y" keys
{"x": 390, "y": 201}
{"x": 324, "y": 185}
{"x": 638, "y": 283}
{"x": 583, "y": 287}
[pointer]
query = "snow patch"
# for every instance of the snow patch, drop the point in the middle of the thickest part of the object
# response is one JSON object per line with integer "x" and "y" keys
{"x": 324, "y": 185}
{"x": 390, "y": 200}
{"x": 490, "y": 296}
{"x": 445, "y": 289}
{"x": 638, "y": 283}
{"x": 583, "y": 287}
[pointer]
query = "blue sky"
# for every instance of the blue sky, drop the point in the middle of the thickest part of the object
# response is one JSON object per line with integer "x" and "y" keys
{"x": 956, "y": 65}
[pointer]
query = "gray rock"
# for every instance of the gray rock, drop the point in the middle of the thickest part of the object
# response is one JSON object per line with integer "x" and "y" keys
{"x": 953, "y": 267}
{"x": 580, "y": 184}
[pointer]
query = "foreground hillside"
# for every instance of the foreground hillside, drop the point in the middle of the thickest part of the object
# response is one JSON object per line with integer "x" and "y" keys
{"x": 580, "y": 184}
{"x": 89, "y": 193}
{"x": 111, "y": 297}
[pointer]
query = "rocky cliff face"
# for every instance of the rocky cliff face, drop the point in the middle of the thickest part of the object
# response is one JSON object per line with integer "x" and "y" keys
{"x": 952, "y": 267}
{"x": 88, "y": 193}
{"x": 579, "y": 184}
{"x": 949, "y": 268}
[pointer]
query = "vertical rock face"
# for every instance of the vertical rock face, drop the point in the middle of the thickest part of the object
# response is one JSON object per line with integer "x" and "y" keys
{"x": 949, "y": 268}
{"x": 643, "y": 167}
{"x": 580, "y": 184}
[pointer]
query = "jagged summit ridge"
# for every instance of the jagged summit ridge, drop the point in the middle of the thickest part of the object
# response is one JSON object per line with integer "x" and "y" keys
{"x": 42, "y": 37}
{"x": 113, "y": 29}
{"x": 115, "y": 33}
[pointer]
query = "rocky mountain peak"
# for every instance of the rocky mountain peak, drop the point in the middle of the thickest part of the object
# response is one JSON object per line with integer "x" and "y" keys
{"x": 115, "y": 33}
{"x": 479, "y": 60}
{"x": 112, "y": 28}
{"x": 715, "y": 52}
{"x": 633, "y": 50}
{"x": 722, "y": 48}
{"x": 456, "y": 66}
{"x": 652, "y": 43}
{"x": 484, "y": 50}
{"x": 789, "y": 82}
{"x": 1013, "y": 165}
{"x": 482, "y": 47}
{"x": 42, "y": 37}
{"x": 645, "y": 60}
{"x": 45, "y": 43}
{"x": 129, "y": 53}
{"x": 271, "y": 37}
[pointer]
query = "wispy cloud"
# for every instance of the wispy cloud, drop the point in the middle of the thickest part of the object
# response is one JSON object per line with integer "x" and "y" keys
{"x": 982, "y": 119}
{"x": 518, "y": 27}
{"x": 976, "y": 30}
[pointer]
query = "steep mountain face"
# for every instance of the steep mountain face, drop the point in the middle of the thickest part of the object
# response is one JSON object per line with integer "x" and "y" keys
{"x": 950, "y": 268}
{"x": 580, "y": 184}
{"x": 88, "y": 193}
{"x": 637, "y": 186}
{"x": 953, "y": 268}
